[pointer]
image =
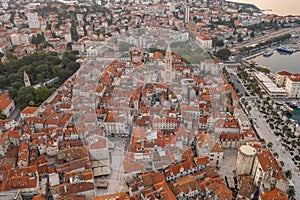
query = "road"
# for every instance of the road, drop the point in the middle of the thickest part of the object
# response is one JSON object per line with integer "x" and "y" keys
{"x": 237, "y": 83}
{"x": 264, "y": 131}
{"x": 269, "y": 35}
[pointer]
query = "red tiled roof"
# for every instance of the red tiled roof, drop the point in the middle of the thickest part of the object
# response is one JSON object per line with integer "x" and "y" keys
{"x": 274, "y": 194}
{"x": 117, "y": 196}
{"x": 67, "y": 188}
{"x": 203, "y": 37}
{"x": 157, "y": 56}
{"x": 284, "y": 73}
{"x": 71, "y": 197}
{"x": 217, "y": 148}
{"x": 268, "y": 163}
{"x": 86, "y": 175}
{"x": 5, "y": 101}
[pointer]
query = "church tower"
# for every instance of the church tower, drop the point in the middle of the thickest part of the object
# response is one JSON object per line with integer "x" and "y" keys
{"x": 186, "y": 14}
{"x": 26, "y": 80}
{"x": 168, "y": 72}
{"x": 169, "y": 57}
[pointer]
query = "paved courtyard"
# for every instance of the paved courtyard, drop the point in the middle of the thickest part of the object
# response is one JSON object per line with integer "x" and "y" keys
{"x": 116, "y": 182}
{"x": 228, "y": 165}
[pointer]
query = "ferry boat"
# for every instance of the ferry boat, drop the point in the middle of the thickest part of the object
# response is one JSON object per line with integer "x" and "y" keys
{"x": 285, "y": 49}
{"x": 268, "y": 53}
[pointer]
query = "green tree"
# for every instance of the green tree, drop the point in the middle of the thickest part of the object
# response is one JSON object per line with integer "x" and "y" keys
{"x": 262, "y": 140}
{"x": 63, "y": 74}
{"x": 24, "y": 96}
{"x": 40, "y": 77}
{"x": 223, "y": 54}
{"x": 216, "y": 42}
{"x": 2, "y": 116}
{"x": 270, "y": 145}
{"x": 15, "y": 77}
{"x": 288, "y": 134}
{"x": 42, "y": 93}
{"x": 281, "y": 163}
{"x": 74, "y": 33}
{"x": 10, "y": 56}
{"x": 41, "y": 69}
{"x": 17, "y": 85}
{"x": 291, "y": 193}
{"x": 56, "y": 69}
{"x": 37, "y": 39}
{"x": 69, "y": 46}
{"x": 73, "y": 66}
{"x": 288, "y": 174}
{"x": 3, "y": 81}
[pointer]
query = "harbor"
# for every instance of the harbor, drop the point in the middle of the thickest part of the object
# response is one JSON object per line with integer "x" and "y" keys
{"x": 277, "y": 58}
{"x": 284, "y": 57}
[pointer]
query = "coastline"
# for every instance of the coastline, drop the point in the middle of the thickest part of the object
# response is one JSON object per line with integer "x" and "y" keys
{"x": 288, "y": 8}
{"x": 248, "y": 5}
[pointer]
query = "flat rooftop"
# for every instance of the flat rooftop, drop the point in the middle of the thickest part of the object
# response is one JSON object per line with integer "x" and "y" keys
{"x": 268, "y": 83}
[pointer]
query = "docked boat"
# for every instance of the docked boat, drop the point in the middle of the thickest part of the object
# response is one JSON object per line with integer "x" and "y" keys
{"x": 288, "y": 109}
{"x": 295, "y": 104}
{"x": 285, "y": 49}
{"x": 268, "y": 53}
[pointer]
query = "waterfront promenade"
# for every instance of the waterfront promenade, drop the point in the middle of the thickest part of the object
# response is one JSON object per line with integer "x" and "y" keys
{"x": 264, "y": 132}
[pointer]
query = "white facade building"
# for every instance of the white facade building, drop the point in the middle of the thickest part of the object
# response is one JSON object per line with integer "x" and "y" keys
{"x": 15, "y": 39}
{"x": 267, "y": 173}
{"x": 33, "y": 20}
{"x": 216, "y": 156}
{"x": 281, "y": 77}
{"x": 7, "y": 106}
{"x": 292, "y": 87}
{"x": 204, "y": 41}
{"x": 68, "y": 37}
{"x": 19, "y": 39}
{"x": 78, "y": 46}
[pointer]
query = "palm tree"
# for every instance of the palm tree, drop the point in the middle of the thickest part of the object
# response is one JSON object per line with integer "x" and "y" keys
{"x": 270, "y": 145}
{"x": 265, "y": 102}
{"x": 291, "y": 193}
{"x": 288, "y": 174}
{"x": 269, "y": 108}
{"x": 282, "y": 114}
{"x": 284, "y": 128}
{"x": 249, "y": 108}
{"x": 288, "y": 134}
{"x": 282, "y": 163}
